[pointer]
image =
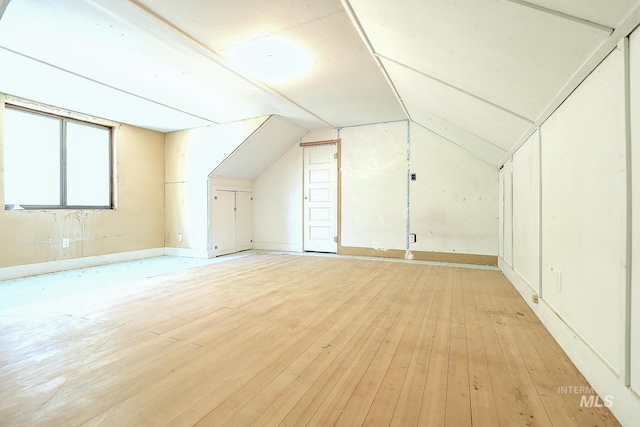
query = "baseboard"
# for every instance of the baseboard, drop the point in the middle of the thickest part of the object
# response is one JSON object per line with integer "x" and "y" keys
{"x": 280, "y": 247}
{"x": 187, "y": 253}
{"x": 455, "y": 258}
{"x": 626, "y": 404}
{"x": 371, "y": 252}
{"x": 26, "y": 270}
{"x": 420, "y": 255}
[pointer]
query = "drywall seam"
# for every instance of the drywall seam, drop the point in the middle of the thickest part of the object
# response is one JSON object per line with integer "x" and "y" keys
{"x": 356, "y": 23}
{"x": 371, "y": 124}
{"x": 540, "y": 211}
{"x": 563, "y": 15}
{"x": 408, "y": 253}
{"x": 629, "y": 241}
{"x": 2, "y": 107}
{"x": 513, "y": 258}
{"x": 107, "y": 85}
{"x": 460, "y": 146}
{"x": 456, "y": 88}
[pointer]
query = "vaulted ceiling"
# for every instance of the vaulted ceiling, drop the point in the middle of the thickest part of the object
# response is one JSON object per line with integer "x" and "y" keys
{"x": 481, "y": 73}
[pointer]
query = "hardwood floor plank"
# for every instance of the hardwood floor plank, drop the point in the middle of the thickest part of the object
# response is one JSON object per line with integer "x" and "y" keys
{"x": 326, "y": 398}
{"x": 434, "y": 398}
{"x": 384, "y": 406}
{"x": 458, "y": 405}
{"x": 329, "y": 336}
{"x": 321, "y": 330}
{"x": 505, "y": 392}
{"x": 407, "y": 410}
{"x": 333, "y": 352}
{"x": 359, "y": 406}
{"x": 483, "y": 410}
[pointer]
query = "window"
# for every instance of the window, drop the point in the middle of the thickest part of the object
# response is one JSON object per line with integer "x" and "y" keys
{"x": 55, "y": 162}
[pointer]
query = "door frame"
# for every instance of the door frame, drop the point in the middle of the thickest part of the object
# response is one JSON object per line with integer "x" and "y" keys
{"x": 339, "y": 189}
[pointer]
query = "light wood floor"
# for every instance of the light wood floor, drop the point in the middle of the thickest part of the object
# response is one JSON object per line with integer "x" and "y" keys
{"x": 291, "y": 340}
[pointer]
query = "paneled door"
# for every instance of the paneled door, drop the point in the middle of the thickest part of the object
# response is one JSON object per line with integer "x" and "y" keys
{"x": 320, "y": 198}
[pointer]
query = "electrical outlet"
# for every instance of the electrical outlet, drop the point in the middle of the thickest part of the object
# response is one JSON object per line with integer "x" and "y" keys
{"x": 534, "y": 298}
{"x": 179, "y": 237}
{"x": 65, "y": 243}
{"x": 412, "y": 238}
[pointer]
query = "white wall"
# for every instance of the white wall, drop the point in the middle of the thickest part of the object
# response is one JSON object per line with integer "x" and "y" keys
{"x": 454, "y": 202}
{"x": 507, "y": 212}
{"x": 277, "y": 199}
{"x": 581, "y": 192}
{"x": 374, "y": 186}
{"x": 584, "y": 210}
{"x": 501, "y": 214}
{"x": 635, "y": 249}
{"x": 277, "y": 204}
{"x": 526, "y": 211}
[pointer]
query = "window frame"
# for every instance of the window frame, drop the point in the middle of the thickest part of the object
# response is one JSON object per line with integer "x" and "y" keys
{"x": 63, "y": 161}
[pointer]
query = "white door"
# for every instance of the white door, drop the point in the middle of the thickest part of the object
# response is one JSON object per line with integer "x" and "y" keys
{"x": 231, "y": 221}
{"x": 243, "y": 220}
{"x": 223, "y": 212}
{"x": 320, "y": 198}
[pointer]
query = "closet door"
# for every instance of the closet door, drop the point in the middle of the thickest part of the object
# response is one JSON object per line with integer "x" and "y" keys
{"x": 223, "y": 212}
{"x": 242, "y": 226}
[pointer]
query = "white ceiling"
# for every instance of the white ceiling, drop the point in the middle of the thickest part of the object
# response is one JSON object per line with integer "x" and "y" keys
{"x": 481, "y": 73}
{"x": 261, "y": 149}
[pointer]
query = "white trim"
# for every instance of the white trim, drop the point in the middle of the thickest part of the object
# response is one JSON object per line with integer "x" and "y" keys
{"x": 18, "y": 271}
{"x": 284, "y": 247}
{"x": 626, "y": 404}
{"x": 187, "y": 253}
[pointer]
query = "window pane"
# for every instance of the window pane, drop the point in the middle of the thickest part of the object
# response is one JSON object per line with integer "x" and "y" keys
{"x": 31, "y": 159}
{"x": 88, "y": 171}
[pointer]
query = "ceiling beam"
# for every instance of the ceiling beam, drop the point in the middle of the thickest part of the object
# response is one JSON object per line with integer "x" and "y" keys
{"x": 215, "y": 57}
{"x": 563, "y": 15}
{"x": 356, "y": 23}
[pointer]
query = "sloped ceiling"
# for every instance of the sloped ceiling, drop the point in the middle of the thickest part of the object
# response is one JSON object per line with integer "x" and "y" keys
{"x": 260, "y": 150}
{"x": 481, "y": 73}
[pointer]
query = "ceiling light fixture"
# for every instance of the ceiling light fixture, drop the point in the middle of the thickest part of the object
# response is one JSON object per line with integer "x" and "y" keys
{"x": 273, "y": 59}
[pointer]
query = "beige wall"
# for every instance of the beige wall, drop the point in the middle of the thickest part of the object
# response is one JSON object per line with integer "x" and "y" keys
{"x": 34, "y": 236}
{"x": 190, "y": 156}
